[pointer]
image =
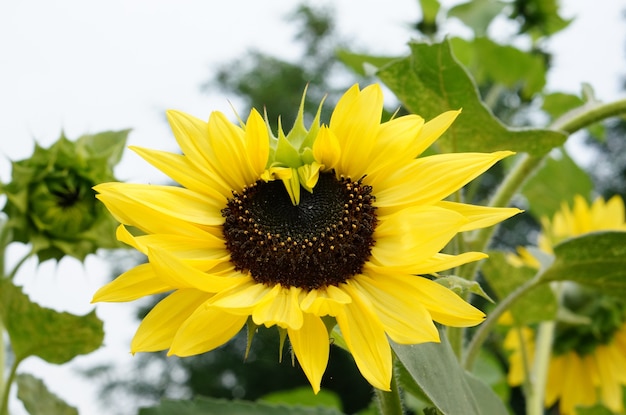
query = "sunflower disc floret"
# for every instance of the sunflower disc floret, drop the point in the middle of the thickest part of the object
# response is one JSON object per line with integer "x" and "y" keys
{"x": 330, "y": 223}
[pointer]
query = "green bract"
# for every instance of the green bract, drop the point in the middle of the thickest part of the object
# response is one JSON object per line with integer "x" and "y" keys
{"x": 50, "y": 203}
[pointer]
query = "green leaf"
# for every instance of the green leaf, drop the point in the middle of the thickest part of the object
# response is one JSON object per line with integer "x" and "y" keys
{"x": 361, "y": 64}
{"x": 556, "y": 182}
{"x": 595, "y": 259}
{"x": 593, "y": 410}
{"x": 304, "y": 396}
{"x": 558, "y": 103}
{"x": 477, "y": 14}
{"x": 463, "y": 287}
{"x": 38, "y": 331}
{"x": 451, "y": 390}
{"x": 432, "y": 81}
{"x": 538, "y": 304}
{"x": 210, "y": 406}
{"x": 38, "y": 400}
{"x": 483, "y": 57}
{"x": 108, "y": 144}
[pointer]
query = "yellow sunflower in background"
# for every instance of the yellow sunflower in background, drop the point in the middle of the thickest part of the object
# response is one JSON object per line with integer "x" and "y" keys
{"x": 332, "y": 224}
{"x": 588, "y": 363}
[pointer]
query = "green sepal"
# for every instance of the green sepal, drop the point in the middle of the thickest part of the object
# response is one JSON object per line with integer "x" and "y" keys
{"x": 463, "y": 287}
{"x": 252, "y": 329}
{"x": 38, "y": 400}
{"x": 282, "y": 337}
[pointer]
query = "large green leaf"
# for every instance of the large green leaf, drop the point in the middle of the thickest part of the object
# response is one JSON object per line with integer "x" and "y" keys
{"x": 435, "y": 369}
{"x": 210, "y": 406}
{"x": 38, "y": 400}
{"x": 595, "y": 259}
{"x": 431, "y": 81}
{"x": 361, "y": 64}
{"x": 556, "y": 182}
{"x": 483, "y": 57}
{"x": 539, "y": 304}
{"x": 38, "y": 331}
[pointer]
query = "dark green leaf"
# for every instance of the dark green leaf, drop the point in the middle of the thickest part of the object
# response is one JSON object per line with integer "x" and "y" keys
{"x": 38, "y": 331}
{"x": 556, "y": 182}
{"x": 539, "y": 304}
{"x": 595, "y": 259}
{"x": 452, "y": 390}
{"x": 38, "y": 400}
{"x": 209, "y": 406}
{"x": 431, "y": 81}
{"x": 477, "y": 14}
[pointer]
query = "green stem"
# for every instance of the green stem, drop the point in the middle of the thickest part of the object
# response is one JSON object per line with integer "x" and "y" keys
{"x": 580, "y": 118}
{"x": 543, "y": 350}
{"x": 2, "y": 359}
{"x": 485, "y": 328}
{"x": 19, "y": 264}
{"x": 4, "y": 405}
{"x": 390, "y": 403}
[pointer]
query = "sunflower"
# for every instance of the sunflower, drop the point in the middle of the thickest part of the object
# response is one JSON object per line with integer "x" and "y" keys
{"x": 304, "y": 231}
{"x": 588, "y": 362}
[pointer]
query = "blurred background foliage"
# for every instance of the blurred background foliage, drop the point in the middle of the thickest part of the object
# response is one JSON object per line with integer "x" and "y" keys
{"x": 511, "y": 81}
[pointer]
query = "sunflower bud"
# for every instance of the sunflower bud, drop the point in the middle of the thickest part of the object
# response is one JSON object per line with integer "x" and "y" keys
{"x": 50, "y": 202}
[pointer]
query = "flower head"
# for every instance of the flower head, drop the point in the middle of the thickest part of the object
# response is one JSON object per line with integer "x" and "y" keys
{"x": 588, "y": 363}
{"x": 333, "y": 222}
{"x": 50, "y": 201}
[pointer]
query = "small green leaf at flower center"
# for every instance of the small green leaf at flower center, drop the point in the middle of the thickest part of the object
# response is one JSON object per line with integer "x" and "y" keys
{"x": 324, "y": 240}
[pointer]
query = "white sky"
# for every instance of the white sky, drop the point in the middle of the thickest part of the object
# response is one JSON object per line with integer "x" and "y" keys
{"x": 88, "y": 66}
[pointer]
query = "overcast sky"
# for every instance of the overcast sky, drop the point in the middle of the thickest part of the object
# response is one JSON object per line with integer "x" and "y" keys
{"x": 87, "y": 66}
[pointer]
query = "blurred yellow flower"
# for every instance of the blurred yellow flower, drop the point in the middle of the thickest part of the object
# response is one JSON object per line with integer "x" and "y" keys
{"x": 332, "y": 222}
{"x": 588, "y": 363}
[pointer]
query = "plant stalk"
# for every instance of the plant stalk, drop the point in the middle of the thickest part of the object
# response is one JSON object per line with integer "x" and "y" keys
{"x": 390, "y": 403}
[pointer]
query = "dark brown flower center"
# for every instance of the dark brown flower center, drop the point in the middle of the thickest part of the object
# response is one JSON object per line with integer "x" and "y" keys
{"x": 324, "y": 240}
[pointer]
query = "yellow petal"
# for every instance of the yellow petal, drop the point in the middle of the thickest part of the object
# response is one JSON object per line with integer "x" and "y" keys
{"x": 131, "y": 285}
{"x": 229, "y": 157}
{"x": 159, "y": 217}
{"x": 180, "y": 275}
{"x": 355, "y": 122}
{"x": 411, "y": 235}
{"x": 365, "y": 336}
{"x": 242, "y": 299}
{"x": 182, "y": 171}
{"x": 443, "y": 304}
{"x": 405, "y": 320}
{"x": 436, "y": 263}
{"x": 430, "y": 179}
{"x": 206, "y": 329}
{"x": 395, "y": 143}
{"x": 326, "y": 301}
{"x": 577, "y": 386}
{"x": 479, "y": 216}
{"x": 191, "y": 135}
{"x": 257, "y": 142}
{"x": 311, "y": 346}
{"x": 281, "y": 309}
{"x": 157, "y": 330}
{"x": 556, "y": 375}
{"x": 433, "y": 129}
{"x": 326, "y": 149}
{"x": 610, "y": 385}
